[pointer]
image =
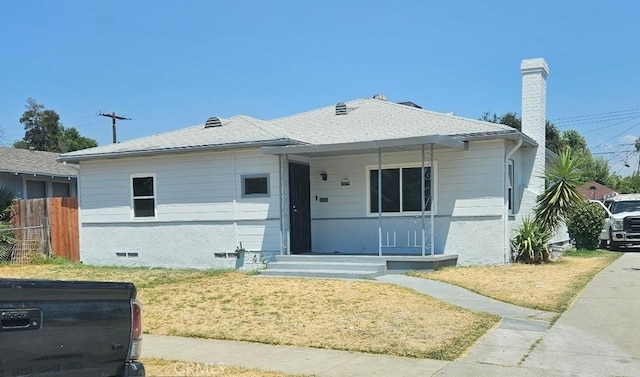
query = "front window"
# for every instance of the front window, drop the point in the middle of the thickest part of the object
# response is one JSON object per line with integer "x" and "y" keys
{"x": 400, "y": 190}
{"x": 144, "y": 200}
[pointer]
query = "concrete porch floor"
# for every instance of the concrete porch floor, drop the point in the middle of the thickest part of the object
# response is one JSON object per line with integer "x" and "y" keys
{"x": 343, "y": 265}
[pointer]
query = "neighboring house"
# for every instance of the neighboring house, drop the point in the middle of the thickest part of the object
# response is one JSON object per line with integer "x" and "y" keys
{"x": 36, "y": 174}
{"x": 596, "y": 191}
{"x": 309, "y": 182}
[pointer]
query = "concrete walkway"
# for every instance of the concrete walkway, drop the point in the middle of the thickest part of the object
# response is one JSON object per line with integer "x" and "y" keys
{"x": 598, "y": 336}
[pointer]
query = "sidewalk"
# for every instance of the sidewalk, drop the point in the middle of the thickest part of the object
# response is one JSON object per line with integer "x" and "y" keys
{"x": 598, "y": 336}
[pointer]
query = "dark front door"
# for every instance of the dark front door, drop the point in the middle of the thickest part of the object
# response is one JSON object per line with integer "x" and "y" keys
{"x": 300, "y": 210}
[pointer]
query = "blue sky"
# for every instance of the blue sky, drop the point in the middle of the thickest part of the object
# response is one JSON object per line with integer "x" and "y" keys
{"x": 173, "y": 64}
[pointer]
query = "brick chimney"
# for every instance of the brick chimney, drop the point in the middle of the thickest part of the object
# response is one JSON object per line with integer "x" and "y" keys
{"x": 534, "y": 115}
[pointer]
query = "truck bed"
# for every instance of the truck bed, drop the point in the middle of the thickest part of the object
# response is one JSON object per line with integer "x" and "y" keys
{"x": 65, "y": 328}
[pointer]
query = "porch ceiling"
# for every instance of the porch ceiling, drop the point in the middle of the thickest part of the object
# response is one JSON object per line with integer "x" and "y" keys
{"x": 361, "y": 147}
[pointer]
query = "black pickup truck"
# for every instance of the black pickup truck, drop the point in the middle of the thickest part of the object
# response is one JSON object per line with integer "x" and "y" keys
{"x": 69, "y": 328}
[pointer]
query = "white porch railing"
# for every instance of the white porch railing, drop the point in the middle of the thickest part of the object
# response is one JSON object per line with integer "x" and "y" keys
{"x": 405, "y": 234}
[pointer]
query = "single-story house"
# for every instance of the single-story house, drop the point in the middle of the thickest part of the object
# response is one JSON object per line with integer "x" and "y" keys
{"x": 311, "y": 183}
{"x": 36, "y": 174}
{"x": 596, "y": 191}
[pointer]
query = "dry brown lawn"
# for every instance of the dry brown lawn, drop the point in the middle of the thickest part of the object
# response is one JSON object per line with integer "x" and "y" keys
{"x": 551, "y": 286}
{"x": 158, "y": 368}
{"x": 364, "y": 316}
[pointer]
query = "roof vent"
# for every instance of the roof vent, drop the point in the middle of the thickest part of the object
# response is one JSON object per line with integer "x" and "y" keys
{"x": 341, "y": 108}
{"x": 213, "y": 122}
{"x": 380, "y": 96}
{"x": 410, "y": 104}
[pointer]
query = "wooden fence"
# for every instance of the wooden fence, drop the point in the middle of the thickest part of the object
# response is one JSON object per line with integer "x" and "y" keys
{"x": 59, "y": 216}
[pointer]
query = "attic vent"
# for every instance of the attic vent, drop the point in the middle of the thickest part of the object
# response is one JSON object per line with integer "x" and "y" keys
{"x": 213, "y": 122}
{"x": 410, "y": 104}
{"x": 380, "y": 96}
{"x": 341, "y": 108}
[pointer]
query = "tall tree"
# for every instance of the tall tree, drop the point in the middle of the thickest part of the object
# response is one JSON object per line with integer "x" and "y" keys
{"x": 553, "y": 139}
{"x": 71, "y": 140}
{"x": 44, "y": 132}
{"x": 594, "y": 169}
{"x": 572, "y": 139}
{"x": 511, "y": 120}
{"x": 41, "y": 127}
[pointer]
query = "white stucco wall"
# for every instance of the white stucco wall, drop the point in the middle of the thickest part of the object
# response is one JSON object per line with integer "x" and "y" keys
{"x": 469, "y": 200}
{"x": 199, "y": 210}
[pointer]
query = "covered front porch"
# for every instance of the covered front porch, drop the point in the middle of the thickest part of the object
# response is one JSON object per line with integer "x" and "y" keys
{"x": 331, "y": 206}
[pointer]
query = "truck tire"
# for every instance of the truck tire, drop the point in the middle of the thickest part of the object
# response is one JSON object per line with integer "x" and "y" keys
{"x": 614, "y": 245}
{"x": 604, "y": 244}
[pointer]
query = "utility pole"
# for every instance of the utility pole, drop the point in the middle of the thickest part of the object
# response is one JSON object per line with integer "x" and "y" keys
{"x": 113, "y": 117}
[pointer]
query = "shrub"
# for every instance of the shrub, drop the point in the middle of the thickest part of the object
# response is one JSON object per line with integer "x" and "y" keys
{"x": 530, "y": 242}
{"x": 585, "y": 224}
{"x": 7, "y": 240}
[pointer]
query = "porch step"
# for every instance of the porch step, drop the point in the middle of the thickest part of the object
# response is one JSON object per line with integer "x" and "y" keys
{"x": 326, "y": 266}
{"x": 329, "y": 266}
{"x": 352, "y": 266}
{"x": 335, "y": 274}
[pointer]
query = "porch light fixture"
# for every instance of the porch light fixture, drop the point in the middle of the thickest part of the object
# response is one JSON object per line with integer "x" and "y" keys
{"x": 323, "y": 175}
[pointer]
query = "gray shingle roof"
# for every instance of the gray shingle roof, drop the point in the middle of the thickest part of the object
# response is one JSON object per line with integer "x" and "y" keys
{"x": 366, "y": 120}
{"x": 372, "y": 119}
{"x": 24, "y": 161}
{"x": 240, "y": 130}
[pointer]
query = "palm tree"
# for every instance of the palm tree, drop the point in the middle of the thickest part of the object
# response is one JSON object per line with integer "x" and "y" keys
{"x": 7, "y": 197}
{"x": 563, "y": 179}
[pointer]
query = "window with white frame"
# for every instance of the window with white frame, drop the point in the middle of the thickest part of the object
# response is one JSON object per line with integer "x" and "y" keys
{"x": 255, "y": 185}
{"x": 144, "y": 198}
{"x": 510, "y": 192}
{"x": 401, "y": 188}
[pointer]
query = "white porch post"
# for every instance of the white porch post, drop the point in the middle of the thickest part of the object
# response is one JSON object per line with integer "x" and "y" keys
{"x": 379, "y": 201}
{"x": 431, "y": 179}
{"x": 285, "y": 239}
{"x": 422, "y": 187}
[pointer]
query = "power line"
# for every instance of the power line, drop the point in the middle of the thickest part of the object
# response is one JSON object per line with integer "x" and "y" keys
{"x": 562, "y": 120}
{"x": 611, "y": 125}
{"x": 113, "y": 117}
{"x": 621, "y": 133}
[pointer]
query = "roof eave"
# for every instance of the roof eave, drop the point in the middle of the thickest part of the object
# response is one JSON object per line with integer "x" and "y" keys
{"x": 526, "y": 140}
{"x": 159, "y": 151}
{"x": 39, "y": 174}
{"x": 439, "y": 141}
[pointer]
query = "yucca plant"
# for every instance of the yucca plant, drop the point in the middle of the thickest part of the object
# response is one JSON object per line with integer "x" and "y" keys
{"x": 7, "y": 196}
{"x": 555, "y": 203}
{"x": 530, "y": 242}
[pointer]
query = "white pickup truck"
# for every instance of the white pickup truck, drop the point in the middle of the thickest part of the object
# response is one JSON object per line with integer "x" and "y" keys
{"x": 622, "y": 223}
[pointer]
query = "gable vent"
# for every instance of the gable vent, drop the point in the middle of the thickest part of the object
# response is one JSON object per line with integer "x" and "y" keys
{"x": 213, "y": 122}
{"x": 341, "y": 108}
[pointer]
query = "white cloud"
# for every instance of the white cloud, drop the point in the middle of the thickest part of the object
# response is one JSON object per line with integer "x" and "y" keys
{"x": 628, "y": 138}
